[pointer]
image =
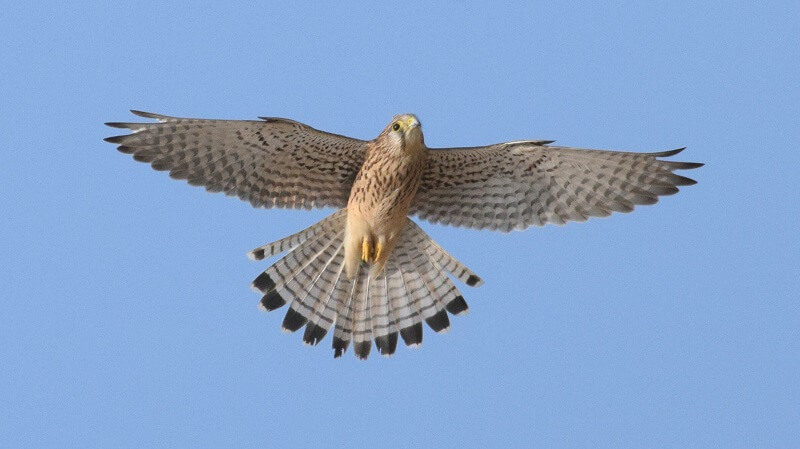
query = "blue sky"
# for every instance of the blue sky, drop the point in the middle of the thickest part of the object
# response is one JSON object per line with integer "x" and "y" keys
{"x": 127, "y": 320}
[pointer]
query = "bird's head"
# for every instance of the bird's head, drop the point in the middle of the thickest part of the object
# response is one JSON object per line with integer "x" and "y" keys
{"x": 405, "y": 131}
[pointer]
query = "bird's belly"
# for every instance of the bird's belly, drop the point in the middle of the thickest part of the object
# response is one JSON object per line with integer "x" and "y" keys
{"x": 370, "y": 239}
{"x": 377, "y": 211}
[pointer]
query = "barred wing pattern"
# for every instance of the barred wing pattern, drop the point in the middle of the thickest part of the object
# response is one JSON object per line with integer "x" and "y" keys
{"x": 516, "y": 185}
{"x": 270, "y": 163}
{"x": 413, "y": 288}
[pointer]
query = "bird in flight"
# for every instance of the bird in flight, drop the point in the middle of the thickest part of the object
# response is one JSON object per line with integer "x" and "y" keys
{"x": 368, "y": 271}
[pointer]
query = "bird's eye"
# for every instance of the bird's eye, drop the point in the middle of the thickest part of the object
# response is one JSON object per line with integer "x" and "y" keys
{"x": 396, "y": 126}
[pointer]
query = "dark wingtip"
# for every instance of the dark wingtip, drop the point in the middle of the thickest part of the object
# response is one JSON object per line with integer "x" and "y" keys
{"x": 293, "y": 320}
{"x": 683, "y": 180}
{"x": 263, "y": 283}
{"x": 120, "y": 125}
{"x": 668, "y": 153}
{"x": 314, "y": 334}
{"x": 339, "y": 347}
{"x": 272, "y": 301}
{"x": 473, "y": 280}
{"x": 147, "y": 114}
{"x": 116, "y": 139}
{"x": 457, "y": 305}
{"x": 412, "y": 335}
{"x": 126, "y": 149}
{"x": 439, "y": 322}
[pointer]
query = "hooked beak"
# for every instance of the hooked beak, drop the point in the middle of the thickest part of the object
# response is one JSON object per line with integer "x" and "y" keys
{"x": 412, "y": 122}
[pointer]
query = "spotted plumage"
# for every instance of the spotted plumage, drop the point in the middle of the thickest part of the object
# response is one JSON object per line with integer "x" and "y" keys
{"x": 367, "y": 272}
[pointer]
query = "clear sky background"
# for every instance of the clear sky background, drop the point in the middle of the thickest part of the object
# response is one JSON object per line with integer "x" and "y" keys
{"x": 126, "y": 318}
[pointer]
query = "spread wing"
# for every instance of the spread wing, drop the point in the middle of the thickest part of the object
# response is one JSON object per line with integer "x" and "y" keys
{"x": 515, "y": 185}
{"x": 270, "y": 163}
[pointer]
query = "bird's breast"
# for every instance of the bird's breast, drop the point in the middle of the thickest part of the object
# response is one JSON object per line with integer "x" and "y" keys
{"x": 379, "y": 202}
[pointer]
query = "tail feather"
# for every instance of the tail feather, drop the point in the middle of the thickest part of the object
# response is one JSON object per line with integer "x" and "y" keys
{"x": 418, "y": 294}
{"x": 414, "y": 287}
{"x": 318, "y": 296}
{"x": 293, "y": 276}
{"x": 384, "y": 330}
{"x": 362, "y": 323}
{"x": 447, "y": 290}
{"x": 332, "y": 297}
{"x": 343, "y": 332}
{"x": 407, "y": 318}
{"x": 302, "y": 284}
{"x": 417, "y": 269}
{"x": 338, "y": 304}
{"x": 438, "y": 292}
{"x": 297, "y": 260}
{"x": 437, "y": 254}
{"x": 333, "y": 221}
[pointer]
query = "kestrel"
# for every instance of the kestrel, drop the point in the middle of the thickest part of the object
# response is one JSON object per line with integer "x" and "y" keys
{"x": 367, "y": 270}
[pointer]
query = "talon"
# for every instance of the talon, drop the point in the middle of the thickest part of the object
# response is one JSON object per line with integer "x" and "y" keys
{"x": 379, "y": 251}
{"x": 366, "y": 250}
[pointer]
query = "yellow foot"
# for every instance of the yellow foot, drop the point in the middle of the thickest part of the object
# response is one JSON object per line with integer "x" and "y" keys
{"x": 366, "y": 249}
{"x": 379, "y": 251}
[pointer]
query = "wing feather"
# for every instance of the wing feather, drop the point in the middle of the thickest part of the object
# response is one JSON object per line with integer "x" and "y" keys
{"x": 516, "y": 185}
{"x": 270, "y": 163}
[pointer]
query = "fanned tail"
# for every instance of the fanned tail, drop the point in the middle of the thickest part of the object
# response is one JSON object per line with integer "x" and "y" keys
{"x": 414, "y": 287}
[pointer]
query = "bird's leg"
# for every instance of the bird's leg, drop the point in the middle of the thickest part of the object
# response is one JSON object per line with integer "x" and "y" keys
{"x": 383, "y": 249}
{"x": 366, "y": 249}
{"x": 379, "y": 250}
